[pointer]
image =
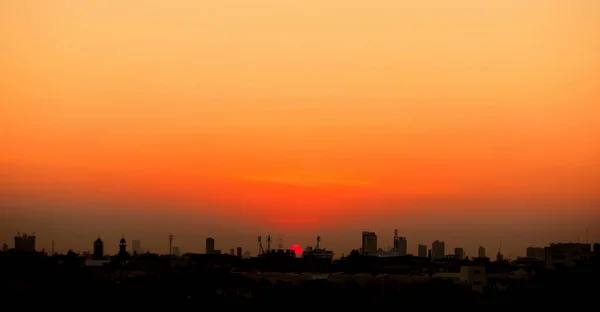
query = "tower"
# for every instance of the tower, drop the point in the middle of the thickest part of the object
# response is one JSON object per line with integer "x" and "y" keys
{"x": 122, "y": 245}
{"x": 170, "y": 244}
{"x": 98, "y": 249}
{"x": 123, "y": 255}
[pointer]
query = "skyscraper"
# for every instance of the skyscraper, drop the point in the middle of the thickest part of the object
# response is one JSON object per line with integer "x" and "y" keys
{"x": 438, "y": 250}
{"x": 402, "y": 246}
{"x": 481, "y": 252}
{"x": 369, "y": 243}
{"x": 422, "y": 252}
{"x": 459, "y": 253}
{"x": 210, "y": 246}
{"x": 98, "y": 249}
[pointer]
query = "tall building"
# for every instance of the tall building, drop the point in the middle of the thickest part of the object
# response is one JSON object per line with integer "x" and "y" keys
{"x": 402, "y": 246}
{"x": 369, "y": 243}
{"x": 481, "y": 252}
{"x": 459, "y": 253}
{"x": 98, "y": 249}
{"x": 136, "y": 246}
{"x": 499, "y": 257}
{"x": 210, "y": 246}
{"x": 438, "y": 250}
{"x": 422, "y": 251}
{"x": 239, "y": 252}
{"x": 25, "y": 242}
{"x": 4, "y": 247}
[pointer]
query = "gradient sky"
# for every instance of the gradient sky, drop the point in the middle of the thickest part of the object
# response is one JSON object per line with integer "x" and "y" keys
{"x": 468, "y": 121}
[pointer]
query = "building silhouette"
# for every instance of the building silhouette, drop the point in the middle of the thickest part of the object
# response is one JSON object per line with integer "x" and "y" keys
{"x": 210, "y": 246}
{"x": 239, "y": 252}
{"x": 136, "y": 247}
{"x": 438, "y": 250}
{"x": 536, "y": 252}
{"x": 422, "y": 251}
{"x": 98, "y": 249}
{"x": 564, "y": 255}
{"x": 369, "y": 243}
{"x": 459, "y": 253}
{"x": 176, "y": 251}
{"x": 25, "y": 242}
{"x": 400, "y": 244}
{"x": 499, "y": 256}
{"x": 481, "y": 252}
{"x": 123, "y": 254}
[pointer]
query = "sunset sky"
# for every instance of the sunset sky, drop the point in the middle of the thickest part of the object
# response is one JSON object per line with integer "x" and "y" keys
{"x": 467, "y": 121}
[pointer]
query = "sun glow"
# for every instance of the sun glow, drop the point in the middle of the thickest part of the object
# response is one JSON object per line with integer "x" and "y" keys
{"x": 297, "y": 249}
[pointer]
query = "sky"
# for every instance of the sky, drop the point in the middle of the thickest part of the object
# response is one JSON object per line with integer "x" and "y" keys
{"x": 473, "y": 122}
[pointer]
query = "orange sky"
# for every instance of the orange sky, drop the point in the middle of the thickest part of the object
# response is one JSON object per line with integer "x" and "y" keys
{"x": 299, "y": 118}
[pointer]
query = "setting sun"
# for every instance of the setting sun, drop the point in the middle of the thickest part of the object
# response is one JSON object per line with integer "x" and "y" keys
{"x": 296, "y": 248}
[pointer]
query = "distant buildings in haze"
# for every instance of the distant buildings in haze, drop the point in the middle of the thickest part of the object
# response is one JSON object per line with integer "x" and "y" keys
{"x": 25, "y": 242}
{"x": 369, "y": 243}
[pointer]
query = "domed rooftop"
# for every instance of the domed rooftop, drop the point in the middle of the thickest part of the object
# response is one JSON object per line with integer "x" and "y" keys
{"x": 123, "y": 240}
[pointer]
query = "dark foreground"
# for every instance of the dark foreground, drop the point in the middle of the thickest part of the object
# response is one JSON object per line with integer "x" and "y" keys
{"x": 31, "y": 280}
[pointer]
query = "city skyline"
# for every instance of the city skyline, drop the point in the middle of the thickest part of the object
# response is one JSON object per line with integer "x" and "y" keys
{"x": 471, "y": 122}
{"x": 382, "y": 248}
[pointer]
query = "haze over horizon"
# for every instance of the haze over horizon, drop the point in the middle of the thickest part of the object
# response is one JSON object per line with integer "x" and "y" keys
{"x": 467, "y": 121}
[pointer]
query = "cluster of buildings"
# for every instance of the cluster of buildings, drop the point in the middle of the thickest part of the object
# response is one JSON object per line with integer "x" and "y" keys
{"x": 553, "y": 256}
{"x": 210, "y": 249}
{"x": 400, "y": 247}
